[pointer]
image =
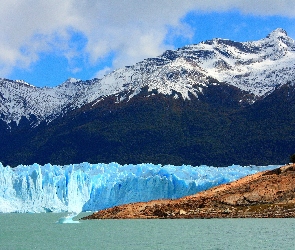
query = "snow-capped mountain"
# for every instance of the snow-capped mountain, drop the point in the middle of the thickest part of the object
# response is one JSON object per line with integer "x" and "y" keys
{"x": 257, "y": 67}
{"x": 18, "y": 98}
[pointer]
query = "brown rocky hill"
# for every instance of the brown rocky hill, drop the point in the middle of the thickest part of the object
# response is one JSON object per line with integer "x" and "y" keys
{"x": 265, "y": 194}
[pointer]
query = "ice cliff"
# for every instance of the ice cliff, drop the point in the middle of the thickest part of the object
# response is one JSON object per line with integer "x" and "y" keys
{"x": 91, "y": 187}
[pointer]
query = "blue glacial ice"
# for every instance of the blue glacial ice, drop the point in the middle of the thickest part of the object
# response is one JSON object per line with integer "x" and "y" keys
{"x": 91, "y": 187}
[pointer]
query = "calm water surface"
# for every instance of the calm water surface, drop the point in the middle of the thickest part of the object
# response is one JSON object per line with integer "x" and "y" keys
{"x": 40, "y": 231}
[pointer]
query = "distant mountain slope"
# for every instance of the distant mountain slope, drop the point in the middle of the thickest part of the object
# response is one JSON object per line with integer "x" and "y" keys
{"x": 216, "y": 103}
{"x": 215, "y": 130}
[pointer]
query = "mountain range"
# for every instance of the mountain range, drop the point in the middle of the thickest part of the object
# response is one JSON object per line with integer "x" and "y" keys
{"x": 219, "y": 102}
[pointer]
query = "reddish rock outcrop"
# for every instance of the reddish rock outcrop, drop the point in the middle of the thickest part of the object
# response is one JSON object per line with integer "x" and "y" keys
{"x": 265, "y": 194}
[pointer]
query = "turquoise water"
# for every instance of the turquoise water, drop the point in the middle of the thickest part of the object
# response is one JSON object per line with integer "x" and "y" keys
{"x": 40, "y": 231}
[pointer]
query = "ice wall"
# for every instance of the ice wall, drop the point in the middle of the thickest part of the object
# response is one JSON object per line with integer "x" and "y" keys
{"x": 91, "y": 187}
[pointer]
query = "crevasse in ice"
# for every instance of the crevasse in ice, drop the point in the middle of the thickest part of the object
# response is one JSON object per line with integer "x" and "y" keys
{"x": 91, "y": 187}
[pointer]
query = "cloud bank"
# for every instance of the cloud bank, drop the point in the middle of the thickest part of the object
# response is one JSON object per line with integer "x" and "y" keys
{"x": 129, "y": 29}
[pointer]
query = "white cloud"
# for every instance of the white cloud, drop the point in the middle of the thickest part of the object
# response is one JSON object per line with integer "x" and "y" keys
{"x": 256, "y": 7}
{"x": 133, "y": 29}
{"x": 100, "y": 74}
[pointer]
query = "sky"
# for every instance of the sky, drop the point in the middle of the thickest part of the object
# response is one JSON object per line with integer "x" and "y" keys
{"x": 45, "y": 42}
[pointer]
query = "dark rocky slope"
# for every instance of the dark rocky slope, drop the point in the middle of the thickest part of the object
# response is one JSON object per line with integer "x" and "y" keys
{"x": 216, "y": 129}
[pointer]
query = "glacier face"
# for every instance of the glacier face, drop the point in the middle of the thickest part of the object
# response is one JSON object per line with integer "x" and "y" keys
{"x": 92, "y": 187}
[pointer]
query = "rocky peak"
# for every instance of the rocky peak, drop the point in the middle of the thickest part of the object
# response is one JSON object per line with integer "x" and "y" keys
{"x": 279, "y": 39}
{"x": 277, "y": 33}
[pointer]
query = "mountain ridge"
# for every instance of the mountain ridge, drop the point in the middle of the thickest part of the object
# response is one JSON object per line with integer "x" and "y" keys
{"x": 257, "y": 67}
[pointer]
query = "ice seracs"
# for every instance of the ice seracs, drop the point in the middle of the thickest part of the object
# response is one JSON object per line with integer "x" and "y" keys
{"x": 91, "y": 187}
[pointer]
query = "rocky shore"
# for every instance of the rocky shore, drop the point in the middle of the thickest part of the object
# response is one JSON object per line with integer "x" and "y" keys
{"x": 268, "y": 194}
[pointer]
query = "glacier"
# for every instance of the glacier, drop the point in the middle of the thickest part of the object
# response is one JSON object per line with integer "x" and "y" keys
{"x": 91, "y": 187}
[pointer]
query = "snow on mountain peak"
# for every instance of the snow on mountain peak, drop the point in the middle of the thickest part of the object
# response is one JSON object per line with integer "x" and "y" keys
{"x": 279, "y": 32}
{"x": 258, "y": 66}
{"x": 25, "y": 83}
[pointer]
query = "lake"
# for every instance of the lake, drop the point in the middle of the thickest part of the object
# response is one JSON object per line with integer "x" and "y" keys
{"x": 40, "y": 231}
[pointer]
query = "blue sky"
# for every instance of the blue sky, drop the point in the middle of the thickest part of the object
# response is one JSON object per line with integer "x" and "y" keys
{"x": 50, "y": 41}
